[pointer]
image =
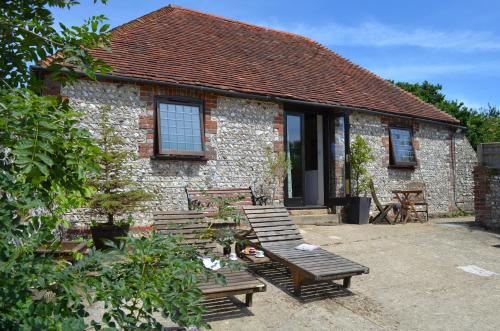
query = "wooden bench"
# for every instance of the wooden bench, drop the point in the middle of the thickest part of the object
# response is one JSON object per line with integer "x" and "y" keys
{"x": 278, "y": 236}
{"x": 206, "y": 199}
{"x": 190, "y": 225}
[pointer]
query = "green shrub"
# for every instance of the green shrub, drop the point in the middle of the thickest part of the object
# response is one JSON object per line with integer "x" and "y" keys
{"x": 360, "y": 155}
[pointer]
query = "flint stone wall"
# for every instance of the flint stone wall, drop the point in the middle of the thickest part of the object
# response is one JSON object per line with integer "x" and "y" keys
{"x": 434, "y": 148}
{"x": 244, "y": 129}
{"x": 237, "y": 133}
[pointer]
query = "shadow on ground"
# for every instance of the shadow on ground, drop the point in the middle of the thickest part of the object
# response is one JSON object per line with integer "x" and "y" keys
{"x": 471, "y": 225}
{"x": 278, "y": 275}
{"x": 224, "y": 308}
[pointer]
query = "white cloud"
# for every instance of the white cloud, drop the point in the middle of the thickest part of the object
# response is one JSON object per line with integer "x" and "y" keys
{"x": 427, "y": 71}
{"x": 379, "y": 34}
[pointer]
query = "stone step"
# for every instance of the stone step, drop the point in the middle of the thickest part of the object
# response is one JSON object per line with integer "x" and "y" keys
{"x": 319, "y": 211}
{"x": 329, "y": 219}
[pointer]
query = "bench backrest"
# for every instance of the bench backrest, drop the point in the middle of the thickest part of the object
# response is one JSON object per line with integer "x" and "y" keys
{"x": 206, "y": 199}
{"x": 188, "y": 224}
{"x": 415, "y": 185}
{"x": 272, "y": 225}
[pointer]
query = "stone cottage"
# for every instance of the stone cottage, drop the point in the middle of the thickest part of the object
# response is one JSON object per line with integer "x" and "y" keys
{"x": 201, "y": 98}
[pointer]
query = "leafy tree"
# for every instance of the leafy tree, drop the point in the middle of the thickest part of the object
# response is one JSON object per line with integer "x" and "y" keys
{"x": 482, "y": 125}
{"x": 44, "y": 159}
{"x": 153, "y": 275}
{"x": 45, "y": 162}
{"x": 28, "y": 36}
{"x": 361, "y": 154}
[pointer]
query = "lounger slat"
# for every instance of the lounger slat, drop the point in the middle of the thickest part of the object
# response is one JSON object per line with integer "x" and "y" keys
{"x": 177, "y": 217}
{"x": 264, "y": 220}
{"x": 281, "y": 238}
{"x": 277, "y": 233}
{"x": 179, "y": 226}
{"x": 263, "y": 226}
{"x": 177, "y": 212}
{"x": 311, "y": 265}
{"x": 230, "y": 289}
{"x": 231, "y": 281}
{"x": 276, "y": 228}
{"x": 279, "y": 244}
{"x": 253, "y": 209}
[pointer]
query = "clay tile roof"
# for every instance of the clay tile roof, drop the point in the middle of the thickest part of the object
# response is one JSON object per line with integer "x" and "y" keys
{"x": 178, "y": 45}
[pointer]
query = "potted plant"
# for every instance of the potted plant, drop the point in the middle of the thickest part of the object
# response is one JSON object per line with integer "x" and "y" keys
{"x": 225, "y": 237}
{"x": 116, "y": 194}
{"x": 222, "y": 227}
{"x": 358, "y": 207}
{"x": 278, "y": 165}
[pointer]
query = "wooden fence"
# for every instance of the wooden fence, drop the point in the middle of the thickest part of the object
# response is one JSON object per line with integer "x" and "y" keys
{"x": 489, "y": 155}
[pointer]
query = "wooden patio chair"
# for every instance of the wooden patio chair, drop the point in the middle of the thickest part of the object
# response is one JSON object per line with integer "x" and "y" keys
{"x": 278, "y": 236}
{"x": 383, "y": 210}
{"x": 190, "y": 225}
{"x": 420, "y": 203}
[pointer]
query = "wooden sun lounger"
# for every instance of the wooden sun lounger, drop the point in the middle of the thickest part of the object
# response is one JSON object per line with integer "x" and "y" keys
{"x": 278, "y": 236}
{"x": 189, "y": 225}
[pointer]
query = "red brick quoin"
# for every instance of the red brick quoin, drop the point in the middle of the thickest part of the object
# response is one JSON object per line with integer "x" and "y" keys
{"x": 146, "y": 120}
{"x": 481, "y": 190}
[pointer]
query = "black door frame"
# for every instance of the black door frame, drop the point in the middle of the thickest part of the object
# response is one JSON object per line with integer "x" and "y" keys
{"x": 329, "y": 115}
{"x": 295, "y": 202}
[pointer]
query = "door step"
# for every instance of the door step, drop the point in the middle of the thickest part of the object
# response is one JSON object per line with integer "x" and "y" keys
{"x": 308, "y": 211}
{"x": 312, "y": 215}
{"x": 328, "y": 219}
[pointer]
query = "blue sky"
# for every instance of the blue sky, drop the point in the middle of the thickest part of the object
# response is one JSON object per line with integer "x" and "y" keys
{"x": 454, "y": 43}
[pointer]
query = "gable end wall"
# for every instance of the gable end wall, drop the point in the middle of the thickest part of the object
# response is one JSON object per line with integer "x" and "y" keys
{"x": 434, "y": 148}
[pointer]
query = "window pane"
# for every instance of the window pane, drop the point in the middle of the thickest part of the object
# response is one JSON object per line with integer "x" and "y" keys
{"x": 180, "y": 128}
{"x": 402, "y": 146}
{"x": 294, "y": 154}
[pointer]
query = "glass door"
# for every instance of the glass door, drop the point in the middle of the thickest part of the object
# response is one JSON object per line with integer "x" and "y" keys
{"x": 294, "y": 186}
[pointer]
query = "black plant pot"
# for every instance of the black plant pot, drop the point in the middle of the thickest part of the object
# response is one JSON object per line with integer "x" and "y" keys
{"x": 106, "y": 231}
{"x": 358, "y": 210}
{"x": 226, "y": 250}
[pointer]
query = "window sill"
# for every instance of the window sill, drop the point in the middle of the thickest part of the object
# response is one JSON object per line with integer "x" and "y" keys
{"x": 172, "y": 157}
{"x": 402, "y": 167}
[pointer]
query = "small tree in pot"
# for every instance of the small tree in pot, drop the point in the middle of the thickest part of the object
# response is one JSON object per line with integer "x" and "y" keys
{"x": 278, "y": 166}
{"x": 359, "y": 207}
{"x": 116, "y": 192}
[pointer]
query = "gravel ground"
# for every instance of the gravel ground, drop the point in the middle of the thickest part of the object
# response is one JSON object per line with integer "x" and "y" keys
{"x": 414, "y": 283}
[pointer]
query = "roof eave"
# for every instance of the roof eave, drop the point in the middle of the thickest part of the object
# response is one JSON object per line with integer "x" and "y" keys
{"x": 263, "y": 97}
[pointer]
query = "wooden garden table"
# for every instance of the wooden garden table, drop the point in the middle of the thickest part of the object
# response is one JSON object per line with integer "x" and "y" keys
{"x": 407, "y": 199}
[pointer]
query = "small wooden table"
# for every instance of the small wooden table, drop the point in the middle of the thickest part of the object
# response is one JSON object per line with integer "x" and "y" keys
{"x": 254, "y": 259}
{"x": 407, "y": 199}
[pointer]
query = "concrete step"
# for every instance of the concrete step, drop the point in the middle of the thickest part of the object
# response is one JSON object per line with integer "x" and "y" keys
{"x": 329, "y": 219}
{"x": 321, "y": 211}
